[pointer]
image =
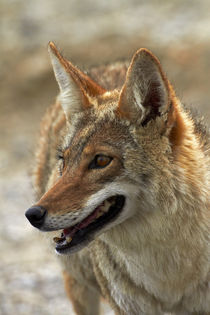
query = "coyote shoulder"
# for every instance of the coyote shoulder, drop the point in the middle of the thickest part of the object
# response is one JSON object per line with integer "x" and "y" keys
{"x": 122, "y": 178}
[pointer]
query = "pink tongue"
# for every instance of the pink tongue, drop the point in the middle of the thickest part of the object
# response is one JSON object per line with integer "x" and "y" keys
{"x": 72, "y": 230}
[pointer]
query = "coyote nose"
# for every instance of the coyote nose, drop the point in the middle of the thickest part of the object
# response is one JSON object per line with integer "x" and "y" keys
{"x": 36, "y": 216}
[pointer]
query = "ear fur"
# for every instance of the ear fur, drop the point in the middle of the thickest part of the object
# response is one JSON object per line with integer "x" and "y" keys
{"x": 75, "y": 86}
{"x": 146, "y": 92}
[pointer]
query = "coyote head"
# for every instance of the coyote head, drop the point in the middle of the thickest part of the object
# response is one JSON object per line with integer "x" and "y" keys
{"x": 116, "y": 152}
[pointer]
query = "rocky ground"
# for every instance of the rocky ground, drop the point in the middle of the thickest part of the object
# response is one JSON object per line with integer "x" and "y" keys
{"x": 89, "y": 32}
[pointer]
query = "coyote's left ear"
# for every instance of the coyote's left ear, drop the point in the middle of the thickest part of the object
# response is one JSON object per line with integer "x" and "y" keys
{"x": 75, "y": 86}
{"x": 146, "y": 93}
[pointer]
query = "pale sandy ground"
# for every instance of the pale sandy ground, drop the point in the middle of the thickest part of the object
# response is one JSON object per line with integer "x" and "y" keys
{"x": 89, "y": 32}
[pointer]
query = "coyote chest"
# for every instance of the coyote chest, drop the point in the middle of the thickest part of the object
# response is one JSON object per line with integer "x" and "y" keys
{"x": 123, "y": 180}
{"x": 118, "y": 284}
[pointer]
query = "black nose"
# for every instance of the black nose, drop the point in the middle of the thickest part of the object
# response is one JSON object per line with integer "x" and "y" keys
{"x": 36, "y": 216}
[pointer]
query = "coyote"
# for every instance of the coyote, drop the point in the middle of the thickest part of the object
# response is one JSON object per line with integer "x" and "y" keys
{"x": 122, "y": 176}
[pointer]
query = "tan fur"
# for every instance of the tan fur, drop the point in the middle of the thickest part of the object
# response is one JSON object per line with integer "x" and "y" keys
{"x": 157, "y": 258}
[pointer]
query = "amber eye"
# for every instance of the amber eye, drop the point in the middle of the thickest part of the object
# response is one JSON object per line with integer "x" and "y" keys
{"x": 100, "y": 161}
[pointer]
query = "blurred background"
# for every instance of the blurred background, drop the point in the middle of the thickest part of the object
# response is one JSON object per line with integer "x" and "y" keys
{"x": 89, "y": 32}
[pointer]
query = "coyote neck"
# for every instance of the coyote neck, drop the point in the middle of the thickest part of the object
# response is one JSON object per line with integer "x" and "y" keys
{"x": 152, "y": 251}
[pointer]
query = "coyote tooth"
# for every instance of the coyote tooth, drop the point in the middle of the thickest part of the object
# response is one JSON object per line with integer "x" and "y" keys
{"x": 68, "y": 239}
{"x": 106, "y": 203}
{"x": 99, "y": 214}
{"x": 57, "y": 239}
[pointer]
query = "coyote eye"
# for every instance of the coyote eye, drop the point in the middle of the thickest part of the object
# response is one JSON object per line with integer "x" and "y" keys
{"x": 100, "y": 161}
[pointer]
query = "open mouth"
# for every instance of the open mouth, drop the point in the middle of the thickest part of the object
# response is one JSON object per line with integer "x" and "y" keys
{"x": 79, "y": 235}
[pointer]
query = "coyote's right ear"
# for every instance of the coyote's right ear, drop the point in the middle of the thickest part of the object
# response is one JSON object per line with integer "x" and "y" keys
{"x": 75, "y": 86}
{"x": 146, "y": 93}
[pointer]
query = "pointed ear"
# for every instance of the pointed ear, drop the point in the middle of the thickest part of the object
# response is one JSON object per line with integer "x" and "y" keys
{"x": 75, "y": 86}
{"x": 146, "y": 92}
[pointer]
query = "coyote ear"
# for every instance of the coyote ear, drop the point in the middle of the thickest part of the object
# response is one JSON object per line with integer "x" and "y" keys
{"x": 75, "y": 86}
{"x": 146, "y": 92}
